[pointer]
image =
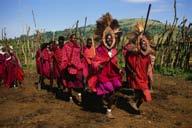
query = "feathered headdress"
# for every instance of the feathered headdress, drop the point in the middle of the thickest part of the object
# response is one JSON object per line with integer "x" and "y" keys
{"x": 139, "y": 27}
{"x": 102, "y": 23}
{"x": 105, "y": 25}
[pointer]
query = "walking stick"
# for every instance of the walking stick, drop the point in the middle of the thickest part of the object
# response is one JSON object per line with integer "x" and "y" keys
{"x": 147, "y": 18}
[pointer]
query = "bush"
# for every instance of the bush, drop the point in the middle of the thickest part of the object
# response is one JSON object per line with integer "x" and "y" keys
{"x": 189, "y": 76}
{"x": 169, "y": 71}
{"x": 174, "y": 72}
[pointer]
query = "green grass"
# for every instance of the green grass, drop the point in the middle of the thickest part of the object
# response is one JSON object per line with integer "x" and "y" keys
{"x": 188, "y": 75}
{"x": 174, "y": 72}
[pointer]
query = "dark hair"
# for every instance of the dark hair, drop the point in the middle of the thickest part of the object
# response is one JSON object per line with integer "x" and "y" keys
{"x": 72, "y": 35}
{"x": 52, "y": 42}
{"x": 114, "y": 24}
{"x": 43, "y": 46}
{"x": 61, "y": 39}
{"x": 89, "y": 39}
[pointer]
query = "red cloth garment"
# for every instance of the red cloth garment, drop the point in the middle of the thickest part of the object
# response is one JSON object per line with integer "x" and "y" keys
{"x": 110, "y": 70}
{"x": 88, "y": 55}
{"x": 56, "y": 71}
{"x": 13, "y": 70}
{"x": 73, "y": 50}
{"x": 19, "y": 70}
{"x": 2, "y": 66}
{"x": 139, "y": 64}
{"x": 60, "y": 58}
{"x": 47, "y": 67}
{"x": 60, "y": 62}
{"x": 10, "y": 72}
{"x": 74, "y": 66}
{"x": 92, "y": 81}
{"x": 20, "y": 74}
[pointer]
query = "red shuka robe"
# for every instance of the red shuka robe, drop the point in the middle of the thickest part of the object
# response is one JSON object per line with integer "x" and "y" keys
{"x": 46, "y": 63}
{"x": 110, "y": 70}
{"x": 140, "y": 64}
{"x": 72, "y": 52}
{"x": 2, "y": 66}
{"x": 74, "y": 66}
{"x": 88, "y": 55}
{"x": 13, "y": 70}
{"x": 60, "y": 61}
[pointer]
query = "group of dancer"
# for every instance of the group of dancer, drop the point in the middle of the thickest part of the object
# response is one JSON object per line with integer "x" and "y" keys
{"x": 86, "y": 67}
{"x": 11, "y": 73}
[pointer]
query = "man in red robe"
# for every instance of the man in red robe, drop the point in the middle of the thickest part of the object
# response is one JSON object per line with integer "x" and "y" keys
{"x": 138, "y": 64}
{"x": 74, "y": 66}
{"x": 39, "y": 64}
{"x": 44, "y": 60}
{"x": 47, "y": 60}
{"x": 88, "y": 55}
{"x": 60, "y": 62}
{"x": 107, "y": 78}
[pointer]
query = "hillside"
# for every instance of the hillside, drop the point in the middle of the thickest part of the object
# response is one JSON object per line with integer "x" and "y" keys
{"x": 126, "y": 25}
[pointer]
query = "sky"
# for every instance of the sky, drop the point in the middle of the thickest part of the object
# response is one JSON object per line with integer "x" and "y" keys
{"x": 52, "y": 15}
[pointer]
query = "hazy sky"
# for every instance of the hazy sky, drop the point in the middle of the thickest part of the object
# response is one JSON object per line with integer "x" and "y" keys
{"x": 54, "y": 15}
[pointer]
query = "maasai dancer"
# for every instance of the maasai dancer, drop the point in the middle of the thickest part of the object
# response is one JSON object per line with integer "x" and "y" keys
{"x": 134, "y": 45}
{"x": 53, "y": 73}
{"x": 88, "y": 55}
{"x": 150, "y": 50}
{"x": 60, "y": 62}
{"x": 13, "y": 69}
{"x": 107, "y": 78}
{"x": 138, "y": 64}
{"x": 47, "y": 60}
{"x": 39, "y": 64}
{"x": 73, "y": 71}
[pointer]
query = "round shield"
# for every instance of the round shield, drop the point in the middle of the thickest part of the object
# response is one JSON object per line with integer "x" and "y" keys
{"x": 108, "y": 30}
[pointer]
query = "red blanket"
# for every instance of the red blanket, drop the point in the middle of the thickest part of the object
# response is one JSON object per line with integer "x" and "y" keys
{"x": 110, "y": 69}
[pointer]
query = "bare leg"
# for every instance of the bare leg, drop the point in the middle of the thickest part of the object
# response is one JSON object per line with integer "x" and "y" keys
{"x": 139, "y": 102}
{"x": 15, "y": 84}
{"x": 70, "y": 95}
{"x": 110, "y": 98}
{"x": 51, "y": 82}
{"x": 138, "y": 99}
{"x": 41, "y": 82}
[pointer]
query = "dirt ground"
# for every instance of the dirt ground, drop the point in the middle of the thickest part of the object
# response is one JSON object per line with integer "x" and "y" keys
{"x": 26, "y": 107}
